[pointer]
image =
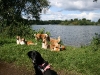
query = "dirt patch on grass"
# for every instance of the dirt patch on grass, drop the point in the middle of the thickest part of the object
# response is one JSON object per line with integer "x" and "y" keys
{"x": 11, "y": 69}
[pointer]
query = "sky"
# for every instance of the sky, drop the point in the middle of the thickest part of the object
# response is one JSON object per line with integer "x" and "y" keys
{"x": 71, "y": 9}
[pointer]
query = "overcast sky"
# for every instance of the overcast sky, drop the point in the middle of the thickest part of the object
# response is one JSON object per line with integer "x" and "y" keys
{"x": 70, "y": 9}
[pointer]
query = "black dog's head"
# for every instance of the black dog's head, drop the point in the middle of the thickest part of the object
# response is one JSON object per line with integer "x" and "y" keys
{"x": 36, "y": 57}
{"x": 39, "y": 63}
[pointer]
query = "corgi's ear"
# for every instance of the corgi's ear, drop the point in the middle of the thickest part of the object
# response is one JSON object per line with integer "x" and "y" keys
{"x": 59, "y": 37}
{"x": 46, "y": 35}
{"x": 34, "y": 34}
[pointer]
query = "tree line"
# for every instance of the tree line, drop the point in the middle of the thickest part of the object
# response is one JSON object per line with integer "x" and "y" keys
{"x": 75, "y": 21}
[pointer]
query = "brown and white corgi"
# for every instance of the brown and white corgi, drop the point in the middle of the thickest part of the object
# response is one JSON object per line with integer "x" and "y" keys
{"x": 51, "y": 47}
{"x": 31, "y": 43}
{"x": 45, "y": 43}
{"x": 41, "y": 36}
{"x": 23, "y": 42}
{"x": 59, "y": 47}
{"x": 55, "y": 41}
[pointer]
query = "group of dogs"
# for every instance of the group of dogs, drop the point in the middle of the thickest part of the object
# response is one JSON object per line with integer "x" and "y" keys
{"x": 47, "y": 42}
{"x": 41, "y": 66}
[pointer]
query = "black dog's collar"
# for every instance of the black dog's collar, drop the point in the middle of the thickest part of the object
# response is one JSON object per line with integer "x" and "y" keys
{"x": 43, "y": 67}
{"x": 40, "y": 68}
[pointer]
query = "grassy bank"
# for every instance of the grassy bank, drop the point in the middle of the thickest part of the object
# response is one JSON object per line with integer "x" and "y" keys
{"x": 83, "y": 60}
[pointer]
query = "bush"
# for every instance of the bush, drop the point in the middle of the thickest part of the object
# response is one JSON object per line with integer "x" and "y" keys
{"x": 95, "y": 42}
{"x": 96, "y": 39}
{"x": 17, "y": 29}
{"x": 42, "y": 31}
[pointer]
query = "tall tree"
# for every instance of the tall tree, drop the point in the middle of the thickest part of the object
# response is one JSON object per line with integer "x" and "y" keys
{"x": 11, "y": 9}
{"x": 98, "y": 20}
{"x": 94, "y": 0}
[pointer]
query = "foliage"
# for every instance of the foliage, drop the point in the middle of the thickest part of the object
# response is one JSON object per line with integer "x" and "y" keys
{"x": 19, "y": 29}
{"x": 96, "y": 39}
{"x": 11, "y": 12}
{"x": 82, "y": 61}
{"x": 12, "y": 9}
{"x": 95, "y": 43}
{"x": 41, "y": 31}
{"x": 75, "y": 21}
{"x": 95, "y": 0}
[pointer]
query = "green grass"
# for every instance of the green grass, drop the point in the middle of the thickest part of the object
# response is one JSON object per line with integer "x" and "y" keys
{"x": 83, "y": 60}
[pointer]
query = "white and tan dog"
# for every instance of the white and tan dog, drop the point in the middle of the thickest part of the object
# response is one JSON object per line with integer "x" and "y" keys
{"x": 45, "y": 43}
{"x": 59, "y": 47}
{"x": 55, "y": 41}
{"x": 18, "y": 40}
{"x": 51, "y": 47}
{"x": 50, "y": 43}
{"x": 23, "y": 42}
{"x": 55, "y": 46}
{"x": 41, "y": 36}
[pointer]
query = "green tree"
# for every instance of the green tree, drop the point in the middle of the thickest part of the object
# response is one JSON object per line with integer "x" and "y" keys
{"x": 98, "y": 20}
{"x": 12, "y": 9}
{"x": 11, "y": 12}
{"x": 95, "y": 0}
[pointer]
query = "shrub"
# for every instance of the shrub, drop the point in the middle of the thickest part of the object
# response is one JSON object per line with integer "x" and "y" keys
{"x": 95, "y": 42}
{"x": 96, "y": 39}
{"x": 17, "y": 29}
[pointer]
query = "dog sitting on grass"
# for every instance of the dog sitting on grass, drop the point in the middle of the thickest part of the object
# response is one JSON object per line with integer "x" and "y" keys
{"x": 22, "y": 41}
{"x": 41, "y": 66}
{"x": 59, "y": 47}
{"x": 41, "y": 36}
{"x": 45, "y": 43}
{"x": 55, "y": 41}
{"x": 18, "y": 40}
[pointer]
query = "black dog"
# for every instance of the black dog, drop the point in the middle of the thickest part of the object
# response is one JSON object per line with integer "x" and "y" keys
{"x": 40, "y": 65}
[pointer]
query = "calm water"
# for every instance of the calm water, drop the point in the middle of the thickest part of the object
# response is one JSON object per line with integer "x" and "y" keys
{"x": 71, "y": 35}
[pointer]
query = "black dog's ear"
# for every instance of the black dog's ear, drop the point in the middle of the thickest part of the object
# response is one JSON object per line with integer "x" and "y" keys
{"x": 29, "y": 54}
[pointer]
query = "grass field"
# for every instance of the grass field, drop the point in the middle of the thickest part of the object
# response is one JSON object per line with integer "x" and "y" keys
{"x": 83, "y": 60}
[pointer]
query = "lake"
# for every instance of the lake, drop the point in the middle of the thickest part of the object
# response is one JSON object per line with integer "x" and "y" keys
{"x": 71, "y": 35}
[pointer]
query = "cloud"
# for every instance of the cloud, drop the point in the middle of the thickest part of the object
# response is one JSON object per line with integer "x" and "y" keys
{"x": 50, "y": 15}
{"x": 60, "y": 16}
{"x": 71, "y": 9}
{"x": 80, "y": 5}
